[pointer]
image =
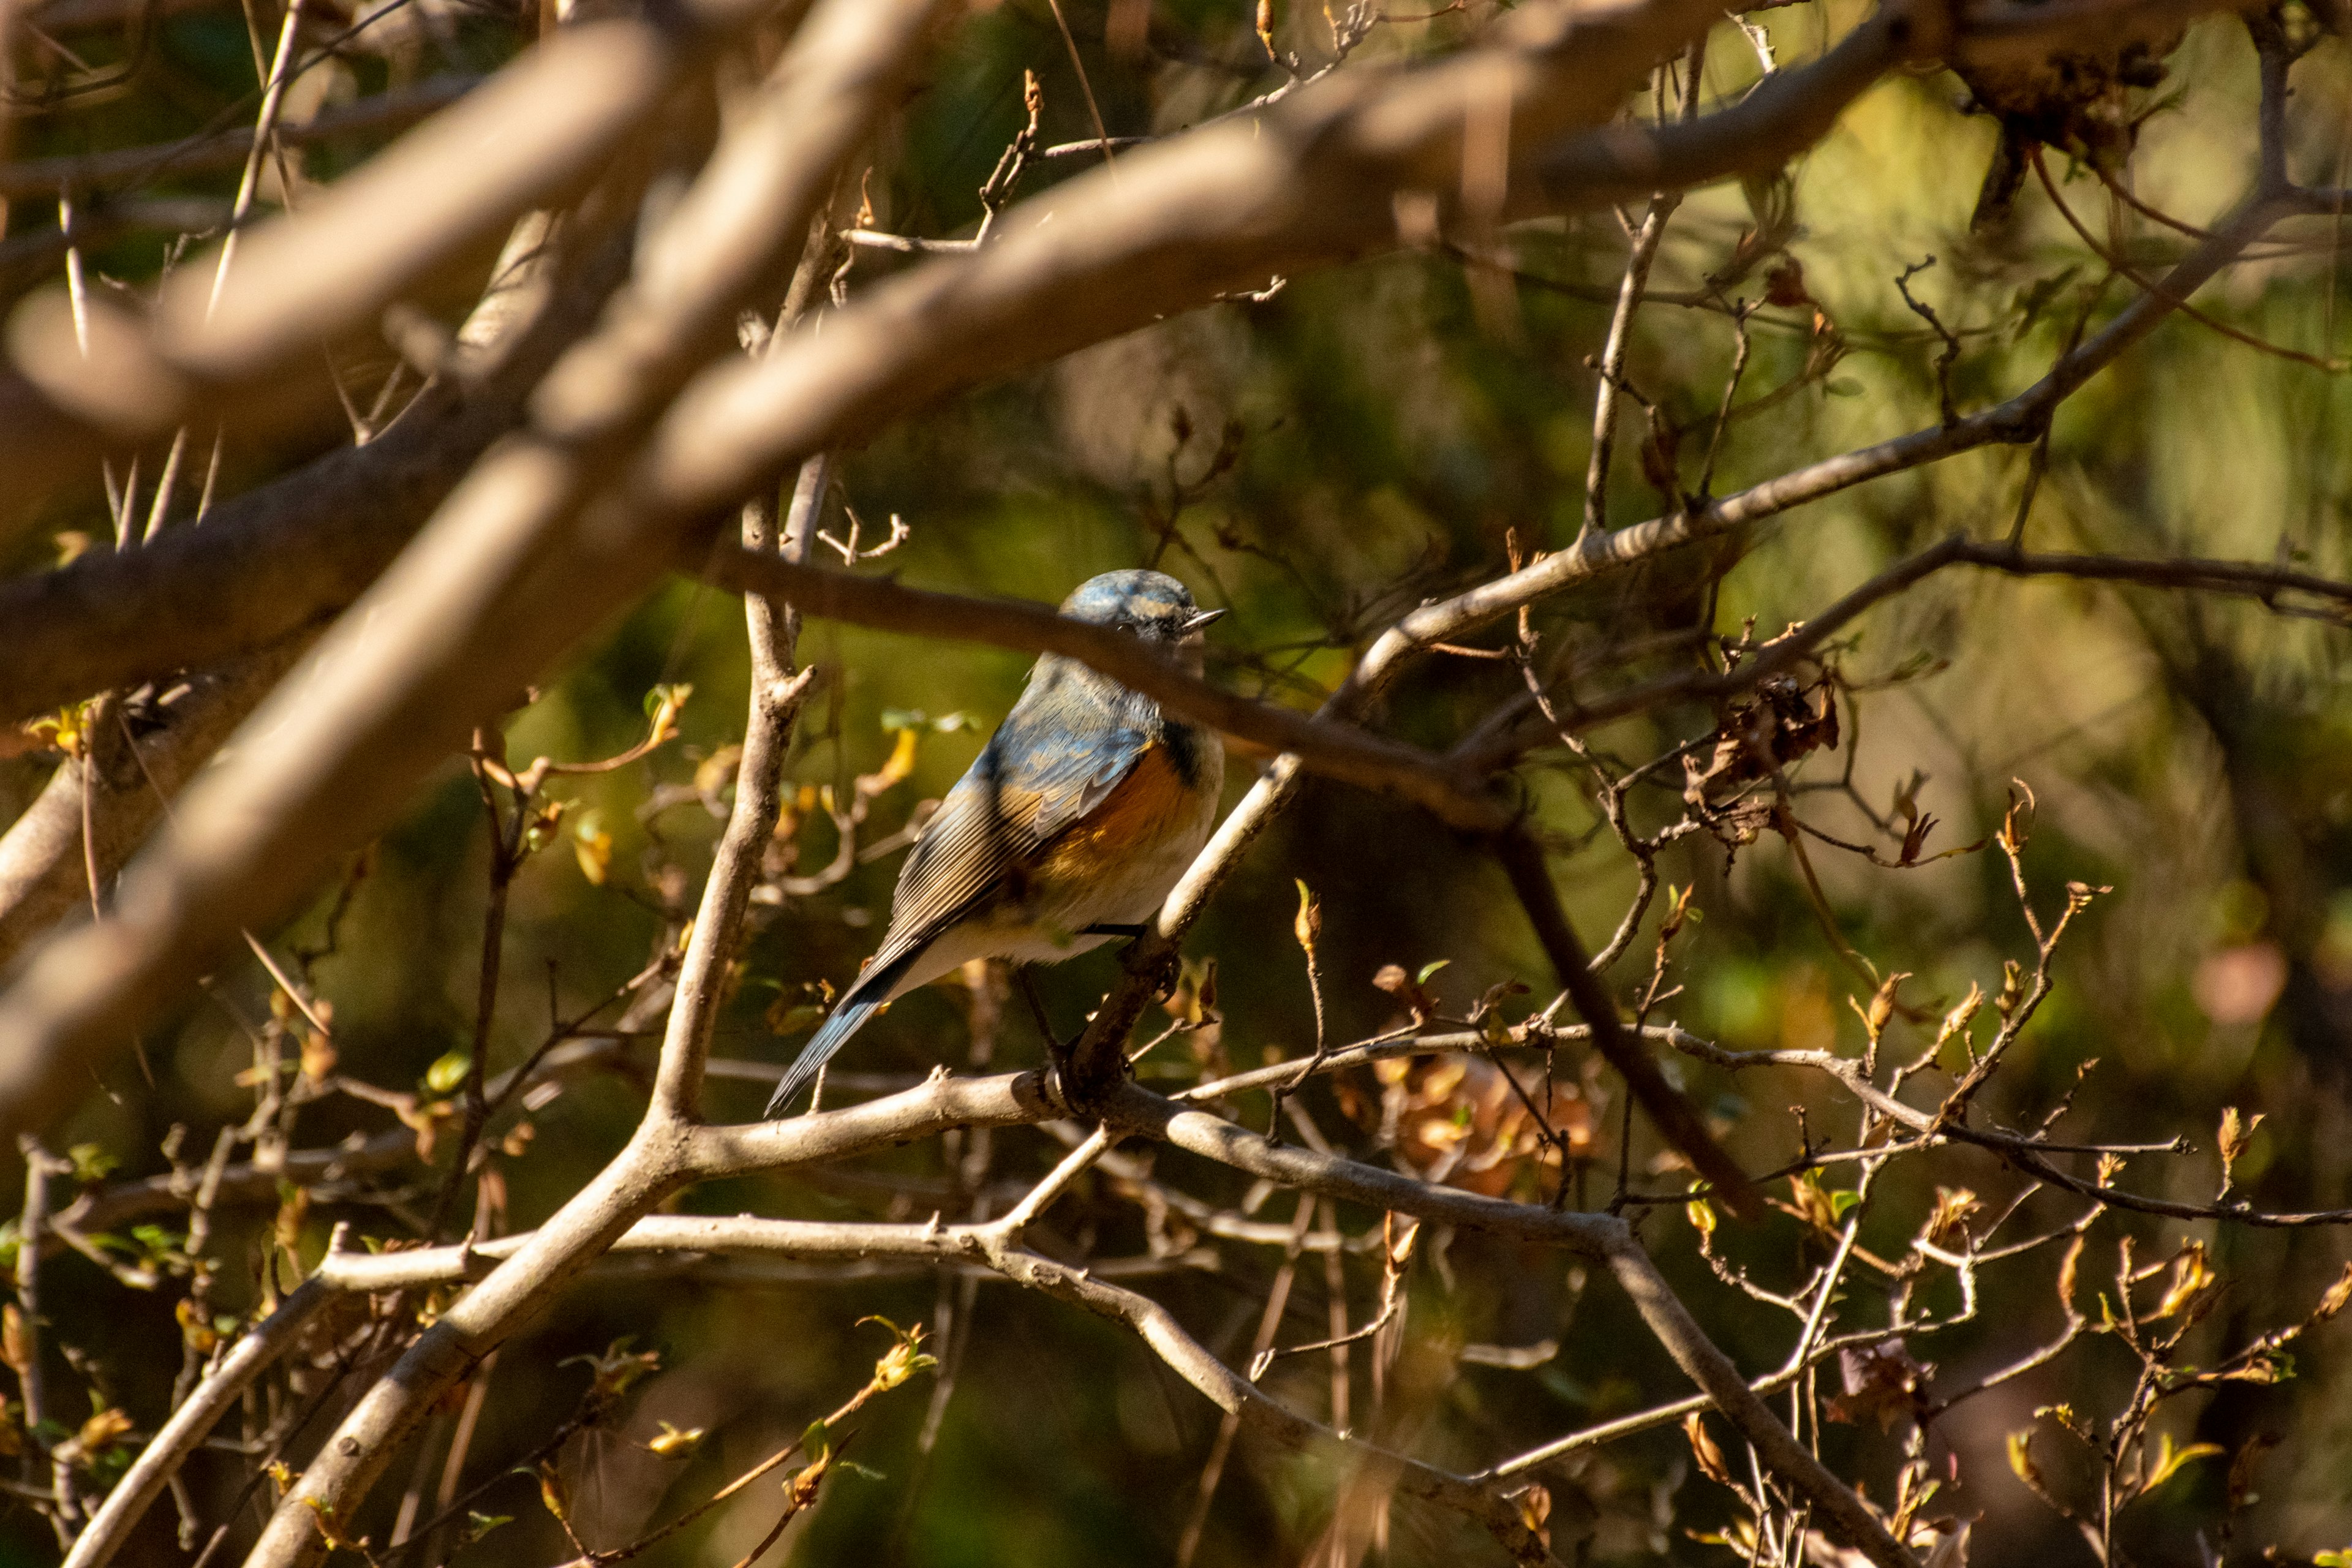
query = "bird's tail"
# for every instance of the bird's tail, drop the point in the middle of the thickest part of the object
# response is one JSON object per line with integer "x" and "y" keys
{"x": 861, "y": 1002}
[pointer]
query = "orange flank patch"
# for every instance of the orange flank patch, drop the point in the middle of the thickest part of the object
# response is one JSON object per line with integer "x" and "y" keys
{"x": 1146, "y": 806}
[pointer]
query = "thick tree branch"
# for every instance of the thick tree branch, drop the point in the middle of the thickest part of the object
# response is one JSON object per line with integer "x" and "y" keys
{"x": 1210, "y": 212}
{"x": 537, "y": 130}
{"x": 1339, "y": 750}
{"x": 402, "y": 677}
{"x": 281, "y": 559}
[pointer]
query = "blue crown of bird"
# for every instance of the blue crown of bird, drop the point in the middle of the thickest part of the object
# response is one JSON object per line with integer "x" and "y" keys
{"x": 1069, "y": 828}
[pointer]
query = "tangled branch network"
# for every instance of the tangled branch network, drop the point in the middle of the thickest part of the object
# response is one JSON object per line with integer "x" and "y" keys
{"x": 279, "y": 681}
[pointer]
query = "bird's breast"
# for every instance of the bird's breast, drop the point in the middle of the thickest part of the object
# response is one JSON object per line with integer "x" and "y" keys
{"x": 1154, "y": 804}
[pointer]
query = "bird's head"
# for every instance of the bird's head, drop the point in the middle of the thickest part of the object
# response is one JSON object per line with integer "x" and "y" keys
{"x": 1149, "y": 604}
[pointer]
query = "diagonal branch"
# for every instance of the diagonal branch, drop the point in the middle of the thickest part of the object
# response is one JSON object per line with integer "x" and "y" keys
{"x": 662, "y": 1157}
{"x": 110, "y": 1528}
{"x": 1504, "y": 736}
{"x": 1678, "y": 1122}
{"x": 1342, "y": 751}
{"x": 281, "y": 559}
{"x": 2017, "y": 420}
{"x": 536, "y": 131}
{"x": 403, "y": 676}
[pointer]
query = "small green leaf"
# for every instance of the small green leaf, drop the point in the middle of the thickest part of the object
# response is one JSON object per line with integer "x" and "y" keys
{"x": 478, "y": 1525}
{"x": 2168, "y": 1459}
{"x": 817, "y": 1441}
{"x": 448, "y": 1073}
{"x": 1420, "y": 977}
{"x": 1842, "y": 1199}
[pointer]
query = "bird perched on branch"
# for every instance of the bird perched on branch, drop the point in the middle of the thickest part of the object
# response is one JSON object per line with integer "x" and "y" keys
{"x": 1069, "y": 828}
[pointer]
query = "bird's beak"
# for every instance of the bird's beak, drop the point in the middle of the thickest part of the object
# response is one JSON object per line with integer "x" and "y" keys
{"x": 1201, "y": 620}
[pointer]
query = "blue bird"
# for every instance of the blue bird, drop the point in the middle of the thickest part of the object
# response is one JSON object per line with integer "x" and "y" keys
{"x": 1069, "y": 828}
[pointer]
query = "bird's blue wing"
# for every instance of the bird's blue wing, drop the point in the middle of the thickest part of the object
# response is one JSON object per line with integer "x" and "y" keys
{"x": 1056, "y": 758}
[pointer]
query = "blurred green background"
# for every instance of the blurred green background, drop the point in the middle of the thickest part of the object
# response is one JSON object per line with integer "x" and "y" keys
{"x": 1320, "y": 461}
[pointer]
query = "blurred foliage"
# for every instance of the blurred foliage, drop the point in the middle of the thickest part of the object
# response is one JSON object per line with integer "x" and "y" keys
{"x": 1320, "y": 461}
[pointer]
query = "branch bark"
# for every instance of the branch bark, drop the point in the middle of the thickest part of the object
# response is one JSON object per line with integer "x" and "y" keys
{"x": 537, "y": 131}
{"x": 1187, "y": 221}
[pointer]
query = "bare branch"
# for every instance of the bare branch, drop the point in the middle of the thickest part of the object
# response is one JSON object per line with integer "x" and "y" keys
{"x": 521, "y": 140}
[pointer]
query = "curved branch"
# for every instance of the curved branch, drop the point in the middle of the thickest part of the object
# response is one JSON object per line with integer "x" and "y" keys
{"x": 1512, "y": 728}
